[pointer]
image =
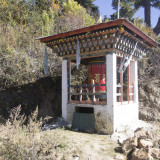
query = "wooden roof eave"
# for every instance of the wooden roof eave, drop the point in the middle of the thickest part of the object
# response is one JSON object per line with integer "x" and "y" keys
{"x": 141, "y": 34}
{"x": 118, "y": 22}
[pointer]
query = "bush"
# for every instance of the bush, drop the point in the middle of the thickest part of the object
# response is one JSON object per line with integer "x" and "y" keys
{"x": 21, "y": 140}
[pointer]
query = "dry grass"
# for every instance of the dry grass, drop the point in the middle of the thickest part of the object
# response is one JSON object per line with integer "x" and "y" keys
{"x": 29, "y": 142}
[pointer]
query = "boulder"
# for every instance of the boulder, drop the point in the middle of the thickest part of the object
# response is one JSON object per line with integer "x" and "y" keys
{"x": 155, "y": 153}
{"x": 143, "y": 143}
{"x": 129, "y": 144}
{"x": 141, "y": 154}
{"x": 140, "y": 133}
{"x": 151, "y": 135}
{"x": 119, "y": 157}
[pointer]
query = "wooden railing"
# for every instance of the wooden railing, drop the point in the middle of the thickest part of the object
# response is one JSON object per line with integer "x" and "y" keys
{"x": 87, "y": 94}
{"x": 130, "y": 93}
{"x": 119, "y": 93}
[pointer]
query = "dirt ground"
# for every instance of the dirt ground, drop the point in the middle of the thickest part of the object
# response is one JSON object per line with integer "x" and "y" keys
{"x": 86, "y": 146}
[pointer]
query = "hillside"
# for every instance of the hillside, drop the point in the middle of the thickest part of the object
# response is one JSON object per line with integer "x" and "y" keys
{"x": 149, "y": 86}
{"x": 22, "y": 56}
{"x": 24, "y": 84}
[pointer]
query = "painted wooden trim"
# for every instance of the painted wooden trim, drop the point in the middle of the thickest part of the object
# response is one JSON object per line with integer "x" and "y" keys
{"x": 118, "y": 22}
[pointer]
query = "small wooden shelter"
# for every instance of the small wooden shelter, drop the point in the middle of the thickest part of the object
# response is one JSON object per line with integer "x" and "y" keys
{"x": 109, "y": 96}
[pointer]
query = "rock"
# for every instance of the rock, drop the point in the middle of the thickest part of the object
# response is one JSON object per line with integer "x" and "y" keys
{"x": 129, "y": 144}
{"x": 155, "y": 153}
{"x": 143, "y": 143}
{"x": 151, "y": 135}
{"x": 119, "y": 137}
{"x": 2, "y": 120}
{"x": 127, "y": 130}
{"x": 140, "y": 133}
{"x": 155, "y": 144}
{"x": 119, "y": 157}
{"x": 118, "y": 149}
{"x": 76, "y": 158}
{"x": 58, "y": 123}
{"x": 140, "y": 154}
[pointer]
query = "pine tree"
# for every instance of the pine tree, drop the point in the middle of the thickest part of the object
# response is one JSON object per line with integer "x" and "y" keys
{"x": 90, "y": 7}
{"x": 127, "y": 9}
{"x": 147, "y": 4}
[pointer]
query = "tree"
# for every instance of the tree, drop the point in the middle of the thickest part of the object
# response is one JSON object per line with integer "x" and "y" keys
{"x": 157, "y": 27}
{"x": 14, "y": 10}
{"x": 147, "y": 4}
{"x": 105, "y": 19}
{"x": 90, "y": 7}
{"x": 74, "y": 16}
{"x": 127, "y": 9}
{"x": 43, "y": 5}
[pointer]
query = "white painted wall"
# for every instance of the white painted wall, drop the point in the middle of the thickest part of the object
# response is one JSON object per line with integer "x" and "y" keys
{"x": 64, "y": 89}
{"x": 125, "y": 114}
{"x": 111, "y": 87}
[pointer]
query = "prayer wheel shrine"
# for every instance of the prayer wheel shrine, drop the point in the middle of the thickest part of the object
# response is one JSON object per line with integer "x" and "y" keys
{"x": 102, "y": 92}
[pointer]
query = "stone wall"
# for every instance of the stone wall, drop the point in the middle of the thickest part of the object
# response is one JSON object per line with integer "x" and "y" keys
{"x": 44, "y": 93}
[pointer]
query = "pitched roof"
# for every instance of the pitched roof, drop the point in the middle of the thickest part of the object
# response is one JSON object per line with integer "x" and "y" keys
{"x": 119, "y": 22}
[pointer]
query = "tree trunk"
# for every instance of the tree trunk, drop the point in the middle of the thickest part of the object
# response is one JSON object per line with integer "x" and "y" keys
{"x": 147, "y": 12}
{"x": 157, "y": 27}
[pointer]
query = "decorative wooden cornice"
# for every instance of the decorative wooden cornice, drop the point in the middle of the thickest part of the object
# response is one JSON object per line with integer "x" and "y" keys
{"x": 101, "y": 41}
{"x": 119, "y": 35}
{"x": 116, "y": 23}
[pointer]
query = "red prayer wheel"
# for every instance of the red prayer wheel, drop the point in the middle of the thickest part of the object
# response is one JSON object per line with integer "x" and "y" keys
{"x": 96, "y": 70}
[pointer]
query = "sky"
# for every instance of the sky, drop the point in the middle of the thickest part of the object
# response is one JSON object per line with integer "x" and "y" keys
{"x": 105, "y": 8}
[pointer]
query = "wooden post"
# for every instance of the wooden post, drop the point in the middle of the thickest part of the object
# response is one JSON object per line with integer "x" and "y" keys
{"x": 128, "y": 84}
{"x": 80, "y": 93}
{"x": 121, "y": 80}
{"x": 77, "y": 86}
{"x": 93, "y": 92}
{"x": 133, "y": 91}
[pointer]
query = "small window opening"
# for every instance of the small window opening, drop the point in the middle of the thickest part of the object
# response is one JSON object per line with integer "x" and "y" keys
{"x": 89, "y": 110}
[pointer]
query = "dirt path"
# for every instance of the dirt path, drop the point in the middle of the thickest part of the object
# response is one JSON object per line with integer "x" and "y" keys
{"x": 91, "y": 146}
